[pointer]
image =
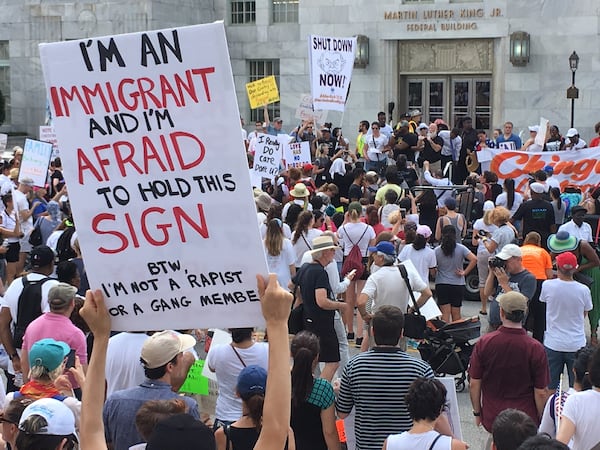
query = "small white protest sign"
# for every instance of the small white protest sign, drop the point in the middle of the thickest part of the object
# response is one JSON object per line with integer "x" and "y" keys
{"x": 296, "y": 154}
{"x": 35, "y": 162}
{"x": 161, "y": 199}
{"x": 305, "y": 110}
{"x": 47, "y": 134}
{"x": 267, "y": 156}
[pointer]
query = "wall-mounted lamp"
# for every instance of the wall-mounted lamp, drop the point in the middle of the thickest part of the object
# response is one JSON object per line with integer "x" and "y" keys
{"x": 519, "y": 48}
{"x": 361, "y": 57}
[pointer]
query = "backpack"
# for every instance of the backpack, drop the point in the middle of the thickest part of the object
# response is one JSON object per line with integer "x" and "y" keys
{"x": 354, "y": 259}
{"x": 35, "y": 238}
{"x": 64, "y": 251}
{"x": 29, "y": 307}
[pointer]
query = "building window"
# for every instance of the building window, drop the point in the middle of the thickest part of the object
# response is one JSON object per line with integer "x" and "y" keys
{"x": 5, "y": 79}
{"x": 260, "y": 68}
{"x": 285, "y": 11}
{"x": 243, "y": 12}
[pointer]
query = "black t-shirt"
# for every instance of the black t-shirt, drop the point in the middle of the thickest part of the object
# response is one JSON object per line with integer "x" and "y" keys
{"x": 56, "y": 175}
{"x": 428, "y": 153}
{"x": 409, "y": 176}
{"x": 411, "y": 139}
{"x": 354, "y": 191}
{"x": 310, "y": 277}
{"x": 537, "y": 215}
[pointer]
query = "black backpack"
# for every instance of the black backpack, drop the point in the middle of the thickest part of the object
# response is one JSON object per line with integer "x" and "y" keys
{"x": 29, "y": 307}
{"x": 64, "y": 251}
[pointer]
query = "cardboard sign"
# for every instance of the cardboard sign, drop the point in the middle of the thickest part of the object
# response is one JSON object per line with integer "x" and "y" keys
{"x": 331, "y": 62}
{"x": 267, "y": 156}
{"x": 262, "y": 92}
{"x": 195, "y": 382}
{"x": 296, "y": 154}
{"x": 35, "y": 162}
{"x": 160, "y": 193}
{"x": 47, "y": 134}
{"x": 571, "y": 167}
{"x": 305, "y": 110}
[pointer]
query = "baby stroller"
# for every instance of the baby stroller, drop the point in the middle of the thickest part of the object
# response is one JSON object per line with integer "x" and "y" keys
{"x": 447, "y": 349}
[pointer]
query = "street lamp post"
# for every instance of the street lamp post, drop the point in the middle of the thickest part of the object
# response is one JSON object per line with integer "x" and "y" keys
{"x": 573, "y": 92}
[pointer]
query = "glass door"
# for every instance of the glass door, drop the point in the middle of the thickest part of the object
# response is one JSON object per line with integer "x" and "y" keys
{"x": 436, "y": 108}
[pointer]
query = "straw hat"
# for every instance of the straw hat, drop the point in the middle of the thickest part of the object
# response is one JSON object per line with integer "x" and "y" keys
{"x": 322, "y": 243}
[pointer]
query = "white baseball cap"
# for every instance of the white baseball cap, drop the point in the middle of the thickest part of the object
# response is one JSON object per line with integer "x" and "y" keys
{"x": 59, "y": 418}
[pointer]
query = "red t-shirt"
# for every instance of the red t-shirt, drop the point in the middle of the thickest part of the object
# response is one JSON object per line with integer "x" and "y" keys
{"x": 510, "y": 365}
{"x": 595, "y": 142}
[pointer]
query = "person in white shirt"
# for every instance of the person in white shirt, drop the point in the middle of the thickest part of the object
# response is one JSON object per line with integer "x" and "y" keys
{"x": 123, "y": 368}
{"x": 567, "y": 305}
{"x": 573, "y": 141}
{"x": 438, "y": 179}
{"x": 576, "y": 226}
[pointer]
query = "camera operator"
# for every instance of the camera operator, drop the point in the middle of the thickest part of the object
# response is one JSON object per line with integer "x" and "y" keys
{"x": 507, "y": 274}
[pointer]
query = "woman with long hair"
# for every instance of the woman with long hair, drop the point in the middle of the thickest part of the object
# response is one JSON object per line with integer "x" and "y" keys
{"x": 303, "y": 235}
{"x": 425, "y": 401}
{"x": 505, "y": 233}
{"x": 281, "y": 257}
{"x": 451, "y": 272}
{"x": 483, "y": 227}
{"x": 243, "y": 433}
{"x": 313, "y": 401}
{"x": 372, "y": 218}
{"x": 10, "y": 229}
{"x": 354, "y": 232}
{"x": 509, "y": 198}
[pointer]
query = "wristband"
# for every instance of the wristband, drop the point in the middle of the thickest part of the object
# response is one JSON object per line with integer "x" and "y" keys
{"x": 477, "y": 414}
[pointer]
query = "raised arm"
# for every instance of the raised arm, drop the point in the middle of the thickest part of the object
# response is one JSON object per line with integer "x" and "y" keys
{"x": 276, "y": 303}
{"x": 95, "y": 314}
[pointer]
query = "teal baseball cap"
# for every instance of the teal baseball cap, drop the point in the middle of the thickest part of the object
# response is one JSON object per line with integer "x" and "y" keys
{"x": 48, "y": 353}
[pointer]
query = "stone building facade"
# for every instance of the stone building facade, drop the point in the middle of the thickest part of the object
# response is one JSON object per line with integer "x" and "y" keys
{"x": 449, "y": 58}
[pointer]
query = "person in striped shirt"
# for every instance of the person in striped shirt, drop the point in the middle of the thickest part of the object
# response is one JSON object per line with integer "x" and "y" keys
{"x": 375, "y": 383}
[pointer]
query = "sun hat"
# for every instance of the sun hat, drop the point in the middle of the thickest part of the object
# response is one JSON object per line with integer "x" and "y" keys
{"x": 162, "y": 347}
{"x": 322, "y": 243}
{"x": 562, "y": 242}
{"x": 299, "y": 191}
{"x": 263, "y": 202}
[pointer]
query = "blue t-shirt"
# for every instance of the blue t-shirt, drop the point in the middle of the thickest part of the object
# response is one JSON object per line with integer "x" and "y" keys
{"x": 513, "y": 142}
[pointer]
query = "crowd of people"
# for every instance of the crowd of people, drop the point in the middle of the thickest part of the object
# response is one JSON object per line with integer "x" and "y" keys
{"x": 347, "y": 238}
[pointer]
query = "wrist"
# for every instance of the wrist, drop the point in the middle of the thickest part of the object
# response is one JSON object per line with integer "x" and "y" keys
{"x": 477, "y": 413}
{"x": 13, "y": 356}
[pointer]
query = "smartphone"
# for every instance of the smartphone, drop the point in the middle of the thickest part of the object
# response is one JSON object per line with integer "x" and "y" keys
{"x": 71, "y": 359}
{"x": 403, "y": 213}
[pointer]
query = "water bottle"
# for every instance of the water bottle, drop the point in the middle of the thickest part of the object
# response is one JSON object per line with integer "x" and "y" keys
{"x": 5, "y": 243}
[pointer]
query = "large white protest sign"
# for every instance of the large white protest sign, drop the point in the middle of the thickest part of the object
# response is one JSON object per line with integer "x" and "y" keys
{"x": 267, "y": 156}
{"x": 331, "y": 61}
{"x": 574, "y": 167}
{"x": 296, "y": 154}
{"x": 160, "y": 193}
{"x": 35, "y": 162}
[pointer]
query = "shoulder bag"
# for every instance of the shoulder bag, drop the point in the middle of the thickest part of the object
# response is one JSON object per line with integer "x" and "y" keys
{"x": 414, "y": 322}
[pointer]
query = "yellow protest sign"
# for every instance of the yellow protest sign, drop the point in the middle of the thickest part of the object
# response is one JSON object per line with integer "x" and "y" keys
{"x": 262, "y": 92}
